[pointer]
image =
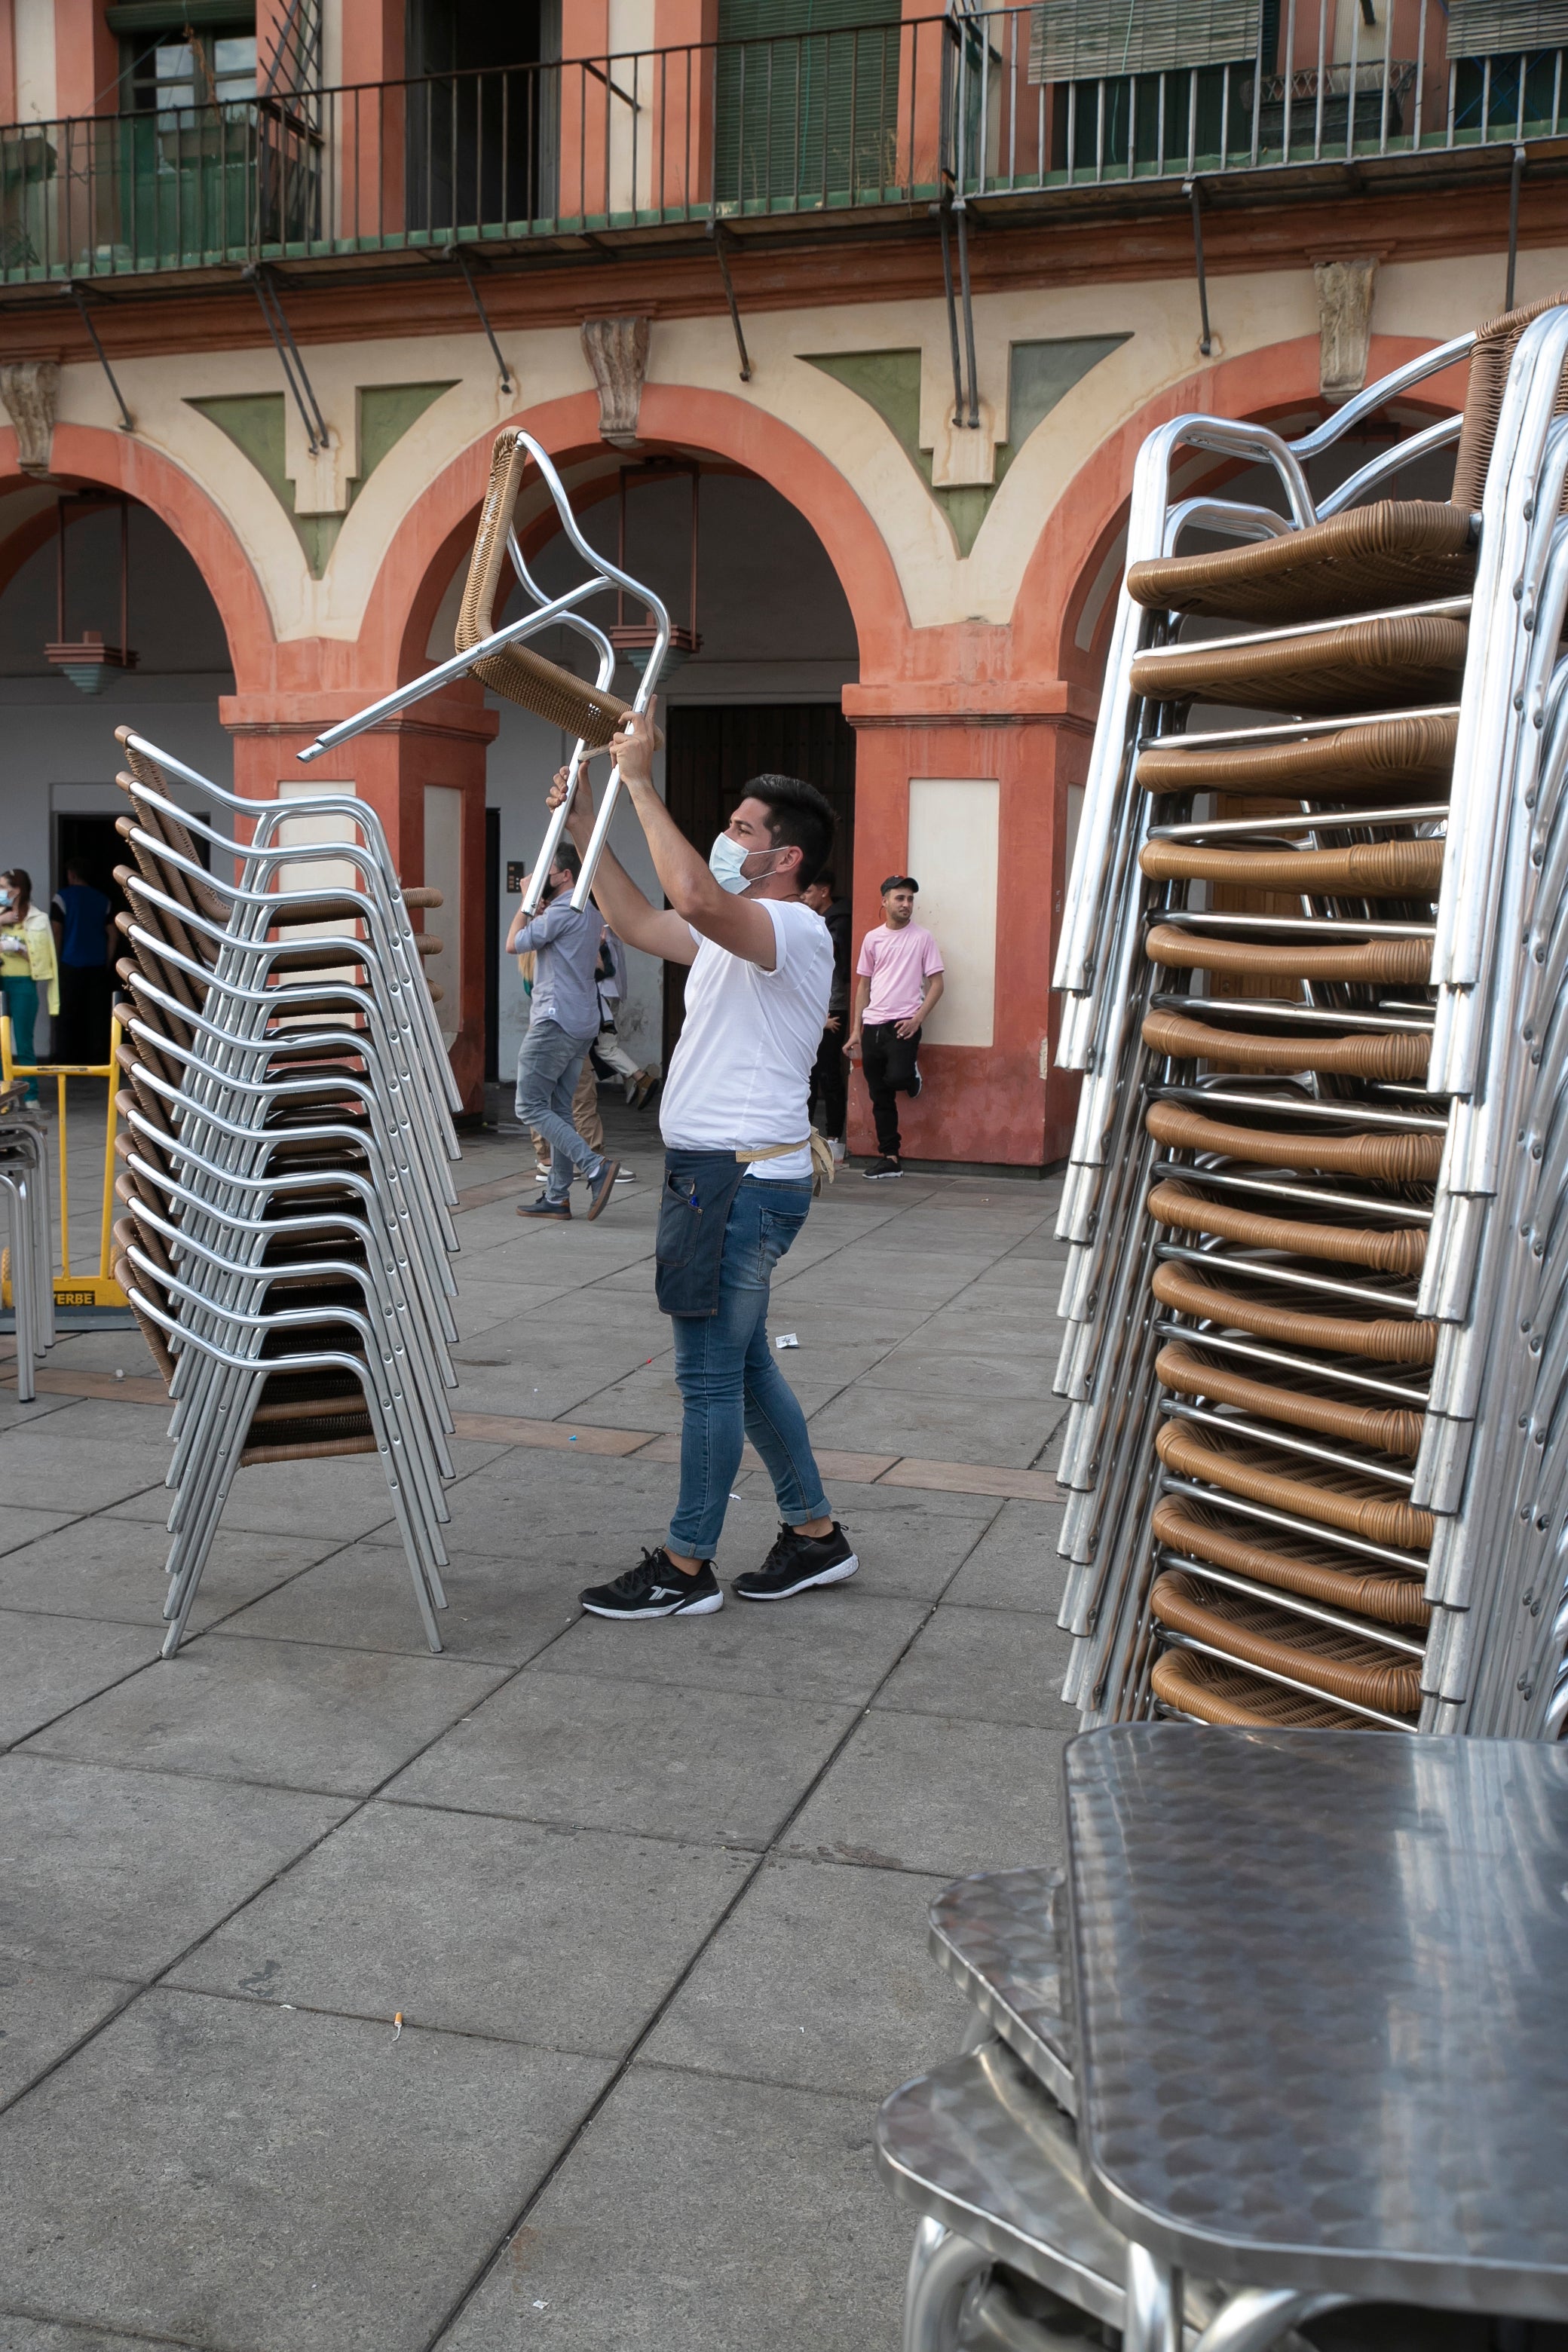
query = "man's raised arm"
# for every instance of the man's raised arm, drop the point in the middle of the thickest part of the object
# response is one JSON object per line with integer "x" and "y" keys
{"x": 657, "y": 931}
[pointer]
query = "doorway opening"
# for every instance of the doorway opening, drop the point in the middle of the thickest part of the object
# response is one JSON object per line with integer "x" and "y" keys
{"x": 714, "y": 749}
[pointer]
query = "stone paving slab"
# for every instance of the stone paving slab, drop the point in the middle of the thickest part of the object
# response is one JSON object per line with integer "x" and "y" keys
{"x": 499, "y": 1611}
{"x": 834, "y": 1646}
{"x": 660, "y": 1760}
{"x": 588, "y": 1863}
{"x": 46, "y": 2009}
{"x": 292, "y": 1714}
{"x": 120, "y": 1872}
{"x": 260, "y": 2179}
{"x": 111, "y": 1568}
{"x": 998, "y": 1665}
{"x": 49, "y": 1665}
{"x": 568, "y": 1937}
{"x": 820, "y": 1979}
{"x": 746, "y": 2219}
{"x": 951, "y": 1796}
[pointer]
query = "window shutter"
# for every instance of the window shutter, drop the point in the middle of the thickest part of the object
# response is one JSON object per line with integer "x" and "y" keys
{"x": 806, "y": 100}
{"x": 1491, "y": 29}
{"x": 1084, "y": 40}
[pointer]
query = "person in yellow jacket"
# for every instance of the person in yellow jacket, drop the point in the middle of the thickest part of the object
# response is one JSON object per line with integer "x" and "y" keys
{"x": 26, "y": 962}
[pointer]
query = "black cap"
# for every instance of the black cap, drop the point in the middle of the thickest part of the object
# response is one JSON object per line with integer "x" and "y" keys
{"x": 899, "y": 882}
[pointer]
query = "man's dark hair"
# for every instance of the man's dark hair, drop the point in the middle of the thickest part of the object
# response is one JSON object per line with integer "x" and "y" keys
{"x": 799, "y": 816}
{"x": 828, "y": 881}
{"x": 566, "y": 854}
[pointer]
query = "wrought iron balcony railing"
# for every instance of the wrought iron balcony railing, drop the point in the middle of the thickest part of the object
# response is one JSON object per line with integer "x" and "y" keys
{"x": 1035, "y": 101}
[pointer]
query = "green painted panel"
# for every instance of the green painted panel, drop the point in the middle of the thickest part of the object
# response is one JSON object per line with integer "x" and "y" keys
{"x": 1040, "y": 375}
{"x": 891, "y": 380}
{"x": 385, "y": 413}
{"x": 253, "y": 422}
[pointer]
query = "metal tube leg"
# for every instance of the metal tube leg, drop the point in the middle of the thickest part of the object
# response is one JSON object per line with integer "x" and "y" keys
{"x": 1258, "y": 2316}
{"x": 1153, "y": 2303}
{"x": 941, "y": 2267}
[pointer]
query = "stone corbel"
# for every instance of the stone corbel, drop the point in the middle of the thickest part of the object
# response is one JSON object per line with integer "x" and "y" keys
{"x": 616, "y": 351}
{"x": 1345, "y": 321}
{"x": 30, "y": 390}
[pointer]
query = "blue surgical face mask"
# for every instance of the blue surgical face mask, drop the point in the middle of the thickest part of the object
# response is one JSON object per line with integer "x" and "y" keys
{"x": 727, "y": 864}
{"x": 5, "y": 897}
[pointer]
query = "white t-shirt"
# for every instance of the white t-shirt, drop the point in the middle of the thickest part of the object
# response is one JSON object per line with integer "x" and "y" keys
{"x": 740, "y": 1077}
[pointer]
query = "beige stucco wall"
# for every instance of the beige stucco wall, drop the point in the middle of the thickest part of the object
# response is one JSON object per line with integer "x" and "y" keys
{"x": 1431, "y": 300}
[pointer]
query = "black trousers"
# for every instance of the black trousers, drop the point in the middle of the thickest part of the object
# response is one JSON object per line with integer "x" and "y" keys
{"x": 830, "y": 1085}
{"x": 81, "y": 1033}
{"x": 888, "y": 1062}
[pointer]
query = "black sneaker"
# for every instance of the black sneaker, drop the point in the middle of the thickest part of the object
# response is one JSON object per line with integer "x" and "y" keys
{"x": 656, "y": 1588}
{"x": 796, "y": 1563}
{"x": 914, "y": 1088}
{"x": 881, "y": 1168}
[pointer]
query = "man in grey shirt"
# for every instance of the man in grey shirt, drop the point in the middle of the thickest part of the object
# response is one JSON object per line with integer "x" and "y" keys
{"x": 563, "y": 1020}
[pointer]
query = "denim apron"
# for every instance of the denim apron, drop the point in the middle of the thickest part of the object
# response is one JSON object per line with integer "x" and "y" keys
{"x": 700, "y": 1189}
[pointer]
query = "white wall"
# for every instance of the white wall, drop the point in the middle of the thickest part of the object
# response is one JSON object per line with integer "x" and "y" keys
{"x": 954, "y": 836}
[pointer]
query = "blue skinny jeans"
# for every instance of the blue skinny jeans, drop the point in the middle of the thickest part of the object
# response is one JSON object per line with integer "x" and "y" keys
{"x": 549, "y": 1063}
{"x": 730, "y": 1385}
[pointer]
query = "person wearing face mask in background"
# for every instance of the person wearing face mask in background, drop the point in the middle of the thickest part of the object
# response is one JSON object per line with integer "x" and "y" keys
{"x": 27, "y": 963}
{"x": 738, "y": 1163}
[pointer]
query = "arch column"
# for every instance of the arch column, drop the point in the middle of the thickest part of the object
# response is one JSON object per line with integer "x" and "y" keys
{"x": 1004, "y": 1102}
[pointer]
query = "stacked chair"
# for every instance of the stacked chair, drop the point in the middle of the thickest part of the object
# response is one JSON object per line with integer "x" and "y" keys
{"x": 1316, "y": 965}
{"x": 287, "y": 1139}
{"x": 30, "y": 1255}
{"x": 286, "y": 1147}
{"x": 1316, "y": 1346}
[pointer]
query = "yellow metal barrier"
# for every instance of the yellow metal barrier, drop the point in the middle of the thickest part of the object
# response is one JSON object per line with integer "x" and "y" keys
{"x": 71, "y": 1289}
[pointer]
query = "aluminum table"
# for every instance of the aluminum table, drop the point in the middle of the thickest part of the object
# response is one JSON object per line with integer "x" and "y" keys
{"x": 1318, "y": 2001}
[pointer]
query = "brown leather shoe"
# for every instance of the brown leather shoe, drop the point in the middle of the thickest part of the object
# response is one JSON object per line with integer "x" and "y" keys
{"x": 603, "y": 1185}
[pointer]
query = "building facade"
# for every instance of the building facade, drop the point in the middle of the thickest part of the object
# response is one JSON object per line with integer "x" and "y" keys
{"x": 887, "y": 303}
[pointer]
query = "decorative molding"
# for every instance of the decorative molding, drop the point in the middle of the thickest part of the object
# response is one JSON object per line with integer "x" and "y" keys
{"x": 30, "y": 389}
{"x": 616, "y": 351}
{"x": 1344, "y": 320}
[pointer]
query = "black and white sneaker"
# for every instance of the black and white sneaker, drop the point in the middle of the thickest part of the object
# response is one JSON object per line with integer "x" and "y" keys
{"x": 914, "y": 1088}
{"x": 656, "y": 1588}
{"x": 882, "y": 1168}
{"x": 796, "y": 1563}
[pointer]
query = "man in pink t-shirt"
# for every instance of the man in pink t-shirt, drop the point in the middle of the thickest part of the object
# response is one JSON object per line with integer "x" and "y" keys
{"x": 899, "y": 981}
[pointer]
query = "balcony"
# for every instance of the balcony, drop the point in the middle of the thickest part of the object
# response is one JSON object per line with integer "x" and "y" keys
{"x": 1010, "y": 110}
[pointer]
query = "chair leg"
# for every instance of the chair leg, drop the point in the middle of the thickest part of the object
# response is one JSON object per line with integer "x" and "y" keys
{"x": 941, "y": 2268}
{"x": 1258, "y": 2316}
{"x": 1153, "y": 2303}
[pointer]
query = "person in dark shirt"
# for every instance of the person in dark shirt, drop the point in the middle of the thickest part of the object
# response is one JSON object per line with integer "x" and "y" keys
{"x": 84, "y": 947}
{"x": 830, "y": 1077}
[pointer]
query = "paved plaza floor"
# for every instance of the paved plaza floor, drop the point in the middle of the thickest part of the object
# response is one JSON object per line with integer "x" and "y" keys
{"x": 650, "y": 1899}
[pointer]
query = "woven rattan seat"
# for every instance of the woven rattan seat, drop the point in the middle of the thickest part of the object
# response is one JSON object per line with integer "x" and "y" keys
{"x": 1395, "y": 757}
{"x": 1335, "y": 1498}
{"x": 1385, "y": 1159}
{"x": 1394, "y": 1432}
{"x": 516, "y": 672}
{"x": 1397, "y": 1250}
{"x": 1294, "y": 1565}
{"x": 1407, "y": 962}
{"x": 1384, "y": 1339}
{"x": 1402, "y": 1056}
{"x": 1359, "y": 665}
{"x": 1399, "y": 550}
{"x": 1214, "y": 1692}
{"x": 1370, "y": 869}
{"x": 1342, "y": 1665}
